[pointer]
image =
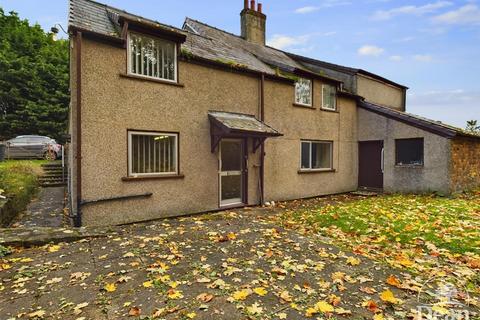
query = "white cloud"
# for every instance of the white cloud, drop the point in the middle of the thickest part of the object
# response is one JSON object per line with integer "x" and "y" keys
{"x": 282, "y": 42}
{"x": 396, "y": 58}
{"x": 423, "y": 58}
{"x": 324, "y": 4}
{"x": 405, "y": 39}
{"x": 294, "y": 43}
{"x": 306, "y": 9}
{"x": 466, "y": 15}
{"x": 369, "y": 50}
{"x": 444, "y": 105}
{"x": 410, "y": 10}
{"x": 335, "y": 3}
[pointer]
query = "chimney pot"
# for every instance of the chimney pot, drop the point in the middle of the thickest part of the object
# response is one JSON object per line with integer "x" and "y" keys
{"x": 253, "y": 23}
{"x": 246, "y": 4}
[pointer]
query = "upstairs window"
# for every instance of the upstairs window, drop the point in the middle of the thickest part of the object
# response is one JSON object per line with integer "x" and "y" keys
{"x": 152, "y": 57}
{"x": 317, "y": 155}
{"x": 303, "y": 92}
{"x": 152, "y": 153}
{"x": 409, "y": 152}
{"x": 329, "y": 97}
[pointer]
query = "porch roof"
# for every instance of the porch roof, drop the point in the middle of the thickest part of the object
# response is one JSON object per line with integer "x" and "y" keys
{"x": 239, "y": 123}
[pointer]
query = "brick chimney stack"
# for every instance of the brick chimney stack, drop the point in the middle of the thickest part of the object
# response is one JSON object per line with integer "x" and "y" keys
{"x": 253, "y": 22}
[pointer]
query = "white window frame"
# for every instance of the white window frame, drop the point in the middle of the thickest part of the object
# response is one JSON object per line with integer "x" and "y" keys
{"x": 334, "y": 100}
{"x": 150, "y": 133}
{"x": 129, "y": 60}
{"x": 311, "y": 94}
{"x": 311, "y": 142}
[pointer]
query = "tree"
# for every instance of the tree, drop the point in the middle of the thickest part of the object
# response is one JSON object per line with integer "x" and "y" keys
{"x": 473, "y": 127}
{"x": 34, "y": 75}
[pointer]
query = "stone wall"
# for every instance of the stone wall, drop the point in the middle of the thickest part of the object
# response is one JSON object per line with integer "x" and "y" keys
{"x": 465, "y": 171}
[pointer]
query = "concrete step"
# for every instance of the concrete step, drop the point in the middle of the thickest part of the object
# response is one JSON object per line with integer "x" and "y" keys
{"x": 48, "y": 176}
{"x": 53, "y": 184}
{"x": 51, "y": 180}
{"x": 51, "y": 165}
{"x": 53, "y": 172}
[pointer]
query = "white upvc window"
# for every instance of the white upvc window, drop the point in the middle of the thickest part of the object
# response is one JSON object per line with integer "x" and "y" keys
{"x": 316, "y": 155}
{"x": 303, "y": 92}
{"x": 329, "y": 97}
{"x": 152, "y": 57}
{"x": 152, "y": 153}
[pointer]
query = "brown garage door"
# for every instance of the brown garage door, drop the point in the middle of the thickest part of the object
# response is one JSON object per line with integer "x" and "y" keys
{"x": 370, "y": 175}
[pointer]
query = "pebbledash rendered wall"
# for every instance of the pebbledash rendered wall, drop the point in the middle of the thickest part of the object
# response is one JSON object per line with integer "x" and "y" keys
{"x": 112, "y": 104}
{"x": 282, "y": 162}
{"x": 380, "y": 93}
{"x": 433, "y": 176}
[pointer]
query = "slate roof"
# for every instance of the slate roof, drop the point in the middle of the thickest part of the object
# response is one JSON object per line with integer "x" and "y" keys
{"x": 100, "y": 18}
{"x": 429, "y": 125}
{"x": 202, "y": 40}
{"x": 242, "y": 123}
{"x": 319, "y": 65}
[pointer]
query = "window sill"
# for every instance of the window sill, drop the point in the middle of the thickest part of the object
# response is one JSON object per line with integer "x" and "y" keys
{"x": 330, "y": 110}
{"x": 305, "y": 171}
{"x": 411, "y": 166}
{"x": 298, "y": 105}
{"x": 135, "y": 77}
{"x": 164, "y": 177}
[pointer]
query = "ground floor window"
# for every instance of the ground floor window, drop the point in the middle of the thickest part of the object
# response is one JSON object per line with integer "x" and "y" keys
{"x": 409, "y": 152}
{"x": 317, "y": 155}
{"x": 152, "y": 153}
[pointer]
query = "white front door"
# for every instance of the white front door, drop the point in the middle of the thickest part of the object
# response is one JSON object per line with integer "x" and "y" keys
{"x": 230, "y": 158}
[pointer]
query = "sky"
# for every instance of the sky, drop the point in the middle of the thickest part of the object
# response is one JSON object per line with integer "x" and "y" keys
{"x": 432, "y": 47}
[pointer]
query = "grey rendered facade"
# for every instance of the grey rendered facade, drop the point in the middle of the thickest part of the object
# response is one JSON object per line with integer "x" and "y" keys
{"x": 231, "y": 122}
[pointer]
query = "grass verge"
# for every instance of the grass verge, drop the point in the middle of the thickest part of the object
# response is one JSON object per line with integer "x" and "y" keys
{"x": 426, "y": 234}
{"x": 18, "y": 182}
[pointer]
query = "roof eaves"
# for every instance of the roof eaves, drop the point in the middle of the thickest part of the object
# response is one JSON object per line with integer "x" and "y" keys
{"x": 296, "y": 71}
{"x": 380, "y": 78}
{"x": 344, "y": 69}
{"x": 418, "y": 122}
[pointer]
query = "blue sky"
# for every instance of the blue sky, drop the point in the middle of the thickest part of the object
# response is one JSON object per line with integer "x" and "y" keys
{"x": 431, "y": 46}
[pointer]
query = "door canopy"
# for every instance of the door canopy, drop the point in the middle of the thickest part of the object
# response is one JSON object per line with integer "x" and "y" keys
{"x": 238, "y": 125}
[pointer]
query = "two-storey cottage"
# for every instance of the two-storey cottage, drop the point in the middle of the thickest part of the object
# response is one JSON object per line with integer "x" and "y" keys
{"x": 167, "y": 122}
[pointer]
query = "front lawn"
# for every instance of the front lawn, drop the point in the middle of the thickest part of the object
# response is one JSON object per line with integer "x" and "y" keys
{"x": 428, "y": 235}
{"x": 18, "y": 182}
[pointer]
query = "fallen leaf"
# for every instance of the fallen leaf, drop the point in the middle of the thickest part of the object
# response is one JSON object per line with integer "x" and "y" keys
{"x": 205, "y": 297}
{"x": 254, "y": 309}
{"x": 260, "y": 291}
{"x": 174, "y": 294}
{"x": 285, "y": 296}
{"x": 388, "y": 296}
{"x": 393, "y": 281}
{"x": 134, "y": 312}
{"x": 110, "y": 287}
{"x": 53, "y": 248}
{"x": 324, "y": 307}
{"x": 37, "y": 314}
{"x": 241, "y": 295}
{"x": 353, "y": 261}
